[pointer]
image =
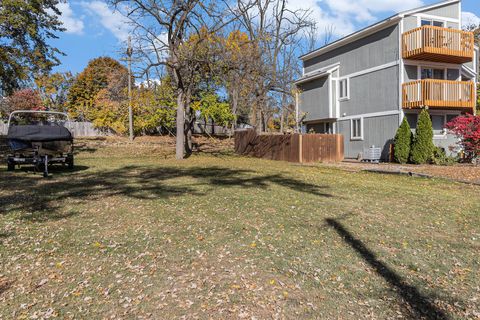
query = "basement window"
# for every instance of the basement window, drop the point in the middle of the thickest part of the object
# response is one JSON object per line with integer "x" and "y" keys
{"x": 356, "y": 129}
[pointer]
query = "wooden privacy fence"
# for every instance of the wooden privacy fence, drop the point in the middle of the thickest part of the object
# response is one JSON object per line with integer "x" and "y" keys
{"x": 79, "y": 129}
{"x": 302, "y": 148}
{"x": 85, "y": 129}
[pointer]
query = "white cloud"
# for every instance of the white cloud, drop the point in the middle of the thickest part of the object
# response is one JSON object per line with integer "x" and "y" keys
{"x": 343, "y": 17}
{"x": 366, "y": 10}
{"x": 470, "y": 18}
{"x": 70, "y": 22}
{"x": 114, "y": 21}
{"x": 325, "y": 20}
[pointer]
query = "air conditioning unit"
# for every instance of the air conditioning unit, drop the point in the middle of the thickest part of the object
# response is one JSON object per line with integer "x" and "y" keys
{"x": 372, "y": 154}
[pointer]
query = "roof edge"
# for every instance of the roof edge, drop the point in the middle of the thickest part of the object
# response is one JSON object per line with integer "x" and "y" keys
{"x": 372, "y": 28}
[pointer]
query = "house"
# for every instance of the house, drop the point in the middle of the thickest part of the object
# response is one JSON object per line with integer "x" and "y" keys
{"x": 363, "y": 85}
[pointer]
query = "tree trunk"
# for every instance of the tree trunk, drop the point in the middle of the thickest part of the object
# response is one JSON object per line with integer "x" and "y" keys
{"x": 282, "y": 118}
{"x": 282, "y": 114}
{"x": 180, "y": 141}
{"x": 188, "y": 125}
{"x": 234, "y": 101}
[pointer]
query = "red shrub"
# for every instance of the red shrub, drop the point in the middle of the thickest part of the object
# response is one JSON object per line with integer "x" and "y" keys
{"x": 467, "y": 128}
{"x": 25, "y": 99}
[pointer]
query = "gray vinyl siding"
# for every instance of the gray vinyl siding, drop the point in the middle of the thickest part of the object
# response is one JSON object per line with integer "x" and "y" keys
{"x": 314, "y": 99}
{"x": 372, "y": 92}
{"x": 411, "y": 73}
{"x": 409, "y": 23}
{"x": 448, "y": 11}
{"x": 452, "y": 25}
{"x": 374, "y": 50}
{"x": 471, "y": 64}
{"x": 377, "y": 131}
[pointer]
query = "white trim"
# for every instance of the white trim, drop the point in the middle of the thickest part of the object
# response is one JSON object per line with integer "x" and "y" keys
{"x": 330, "y": 96}
{"x": 328, "y": 68}
{"x": 433, "y": 64}
{"x": 426, "y": 16}
{"x": 460, "y": 15}
{"x": 428, "y": 7}
{"x": 468, "y": 71}
{"x": 370, "y": 115}
{"x": 353, "y": 37}
{"x": 370, "y": 70}
{"x": 360, "y": 138}
{"x": 318, "y": 73}
{"x": 351, "y": 75}
{"x": 401, "y": 70}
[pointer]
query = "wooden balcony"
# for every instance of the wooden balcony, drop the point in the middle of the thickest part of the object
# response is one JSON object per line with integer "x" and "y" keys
{"x": 438, "y": 44}
{"x": 439, "y": 94}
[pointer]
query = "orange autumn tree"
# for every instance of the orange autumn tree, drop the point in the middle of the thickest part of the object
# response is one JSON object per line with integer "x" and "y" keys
{"x": 240, "y": 57}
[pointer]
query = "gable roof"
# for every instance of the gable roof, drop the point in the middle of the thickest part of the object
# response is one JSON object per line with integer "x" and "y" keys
{"x": 372, "y": 29}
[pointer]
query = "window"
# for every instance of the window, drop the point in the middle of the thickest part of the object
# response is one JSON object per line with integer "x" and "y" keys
{"x": 427, "y": 22}
{"x": 438, "y": 122}
{"x": 450, "y": 117}
{"x": 344, "y": 90}
{"x": 412, "y": 120}
{"x": 453, "y": 74}
{"x": 431, "y": 73}
{"x": 356, "y": 129}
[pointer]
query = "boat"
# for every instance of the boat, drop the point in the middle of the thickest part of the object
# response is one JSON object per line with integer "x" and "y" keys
{"x": 39, "y": 138}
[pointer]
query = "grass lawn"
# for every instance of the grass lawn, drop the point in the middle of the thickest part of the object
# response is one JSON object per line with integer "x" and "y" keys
{"x": 133, "y": 234}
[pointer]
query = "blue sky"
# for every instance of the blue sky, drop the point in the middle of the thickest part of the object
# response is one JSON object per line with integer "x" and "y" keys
{"x": 94, "y": 30}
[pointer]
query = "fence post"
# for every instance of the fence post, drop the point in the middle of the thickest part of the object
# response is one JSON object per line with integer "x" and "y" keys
{"x": 300, "y": 148}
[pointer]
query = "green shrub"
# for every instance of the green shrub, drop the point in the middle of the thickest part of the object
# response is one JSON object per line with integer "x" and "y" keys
{"x": 403, "y": 139}
{"x": 441, "y": 158}
{"x": 423, "y": 147}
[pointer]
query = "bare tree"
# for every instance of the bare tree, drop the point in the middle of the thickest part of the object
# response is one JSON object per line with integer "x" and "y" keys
{"x": 160, "y": 30}
{"x": 273, "y": 27}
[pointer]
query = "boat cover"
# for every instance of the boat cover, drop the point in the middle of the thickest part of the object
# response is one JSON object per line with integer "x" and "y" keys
{"x": 36, "y": 133}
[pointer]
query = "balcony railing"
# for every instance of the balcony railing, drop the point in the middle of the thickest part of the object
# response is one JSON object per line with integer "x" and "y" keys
{"x": 439, "y": 93}
{"x": 438, "y": 44}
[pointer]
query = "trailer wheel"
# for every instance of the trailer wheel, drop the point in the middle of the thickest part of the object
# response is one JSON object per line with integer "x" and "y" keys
{"x": 70, "y": 162}
{"x": 10, "y": 165}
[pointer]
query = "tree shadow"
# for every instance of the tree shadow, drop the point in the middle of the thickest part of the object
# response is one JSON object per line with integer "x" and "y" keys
{"x": 43, "y": 199}
{"x": 56, "y": 169}
{"x": 418, "y": 304}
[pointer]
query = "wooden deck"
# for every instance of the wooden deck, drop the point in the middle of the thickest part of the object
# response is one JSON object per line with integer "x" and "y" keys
{"x": 438, "y": 44}
{"x": 439, "y": 94}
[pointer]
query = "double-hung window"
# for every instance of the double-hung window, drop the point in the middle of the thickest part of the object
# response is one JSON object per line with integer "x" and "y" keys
{"x": 356, "y": 129}
{"x": 344, "y": 89}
